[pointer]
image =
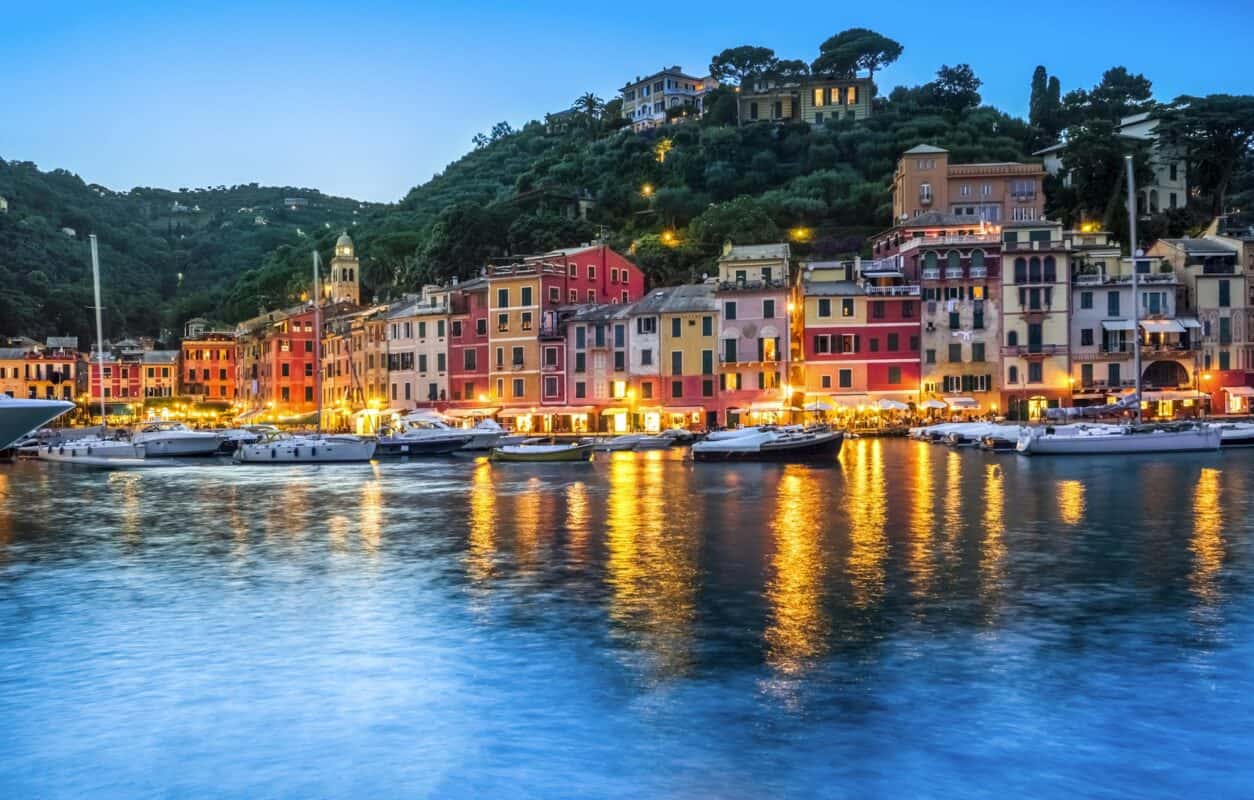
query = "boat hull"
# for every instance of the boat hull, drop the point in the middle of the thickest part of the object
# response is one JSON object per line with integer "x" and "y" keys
{"x": 180, "y": 446}
{"x": 321, "y": 452}
{"x": 20, "y": 417}
{"x": 547, "y": 455}
{"x": 401, "y": 447}
{"x": 1121, "y": 443}
{"x": 823, "y": 447}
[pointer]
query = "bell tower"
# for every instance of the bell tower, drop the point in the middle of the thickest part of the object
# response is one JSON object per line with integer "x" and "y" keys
{"x": 342, "y": 286}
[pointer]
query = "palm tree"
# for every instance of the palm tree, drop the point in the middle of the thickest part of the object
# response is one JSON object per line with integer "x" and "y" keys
{"x": 589, "y": 105}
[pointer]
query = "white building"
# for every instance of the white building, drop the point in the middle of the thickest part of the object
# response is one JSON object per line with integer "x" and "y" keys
{"x": 647, "y": 100}
{"x": 417, "y": 342}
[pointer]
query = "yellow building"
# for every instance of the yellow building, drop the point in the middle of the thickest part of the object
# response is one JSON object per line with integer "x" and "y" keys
{"x": 688, "y": 327}
{"x": 514, "y": 308}
{"x": 1036, "y": 299}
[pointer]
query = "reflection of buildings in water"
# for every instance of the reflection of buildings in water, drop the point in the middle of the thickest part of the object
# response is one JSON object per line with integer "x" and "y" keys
{"x": 125, "y": 490}
{"x": 481, "y": 544}
{"x": 1207, "y": 542}
{"x": 922, "y": 562}
{"x": 1071, "y": 502}
{"x": 652, "y": 562}
{"x": 289, "y": 516}
{"x": 797, "y": 628}
{"x": 577, "y": 521}
{"x": 953, "y": 498}
{"x": 993, "y": 550}
{"x": 371, "y": 515}
{"x": 528, "y": 519}
{"x": 867, "y": 503}
{"x": 6, "y": 519}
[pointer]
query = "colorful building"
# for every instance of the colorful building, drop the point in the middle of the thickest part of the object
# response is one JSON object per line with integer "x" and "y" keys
{"x": 812, "y": 99}
{"x": 1035, "y": 301}
{"x": 468, "y": 346}
{"x": 418, "y": 349}
{"x": 995, "y": 192}
{"x": 209, "y": 367}
{"x": 47, "y": 372}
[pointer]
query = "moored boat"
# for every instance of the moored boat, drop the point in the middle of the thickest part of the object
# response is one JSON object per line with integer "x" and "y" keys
{"x": 176, "y": 439}
{"x": 1235, "y": 434}
{"x": 771, "y": 445}
{"x": 20, "y": 417}
{"x": 1124, "y": 440}
{"x": 543, "y": 453}
{"x": 307, "y": 449}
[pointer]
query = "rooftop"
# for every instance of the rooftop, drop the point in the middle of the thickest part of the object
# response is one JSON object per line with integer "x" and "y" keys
{"x": 924, "y": 149}
{"x": 831, "y": 289}
{"x": 756, "y": 252}
{"x": 160, "y": 356}
{"x": 690, "y": 297}
{"x": 1201, "y": 247}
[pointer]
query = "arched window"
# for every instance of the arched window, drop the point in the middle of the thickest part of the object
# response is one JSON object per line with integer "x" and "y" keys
{"x": 1034, "y": 270}
{"x": 953, "y": 260}
{"x": 1012, "y": 374}
{"x": 1012, "y": 339}
{"x": 1021, "y": 270}
{"x": 929, "y": 260}
{"x": 977, "y": 258}
{"x": 1051, "y": 270}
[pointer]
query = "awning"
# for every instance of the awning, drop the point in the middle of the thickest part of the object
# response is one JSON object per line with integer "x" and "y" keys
{"x": 300, "y": 419}
{"x": 565, "y": 410}
{"x": 818, "y": 405}
{"x": 851, "y": 400}
{"x": 612, "y": 410}
{"x": 463, "y": 413}
{"x": 1161, "y": 326}
{"x": 387, "y": 412}
{"x": 771, "y": 405}
{"x": 1087, "y": 396}
{"x": 893, "y": 405}
{"x": 1189, "y": 322}
{"x": 1170, "y": 395}
{"x": 249, "y": 414}
{"x": 684, "y": 410}
{"x": 933, "y": 404}
{"x": 1117, "y": 324}
{"x": 961, "y": 402}
{"x": 510, "y": 413}
{"x": 1240, "y": 391}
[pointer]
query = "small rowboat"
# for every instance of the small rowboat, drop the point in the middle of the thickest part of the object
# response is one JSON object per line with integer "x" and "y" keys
{"x": 543, "y": 453}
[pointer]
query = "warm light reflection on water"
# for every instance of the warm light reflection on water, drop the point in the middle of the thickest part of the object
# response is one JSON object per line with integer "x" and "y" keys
{"x": 1071, "y": 502}
{"x": 953, "y": 498}
{"x": 797, "y": 629}
{"x": 866, "y": 501}
{"x": 528, "y": 523}
{"x": 993, "y": 548}
{"x": 577, "y": 519}
{"x": 125, "y": 490}
{"x": 371, "y": 515}
{"x": 1207, "y": 542}
{"x": 481, "y": 540}
{"x": 6, "y": 524}
{"x": 922, "y": 520}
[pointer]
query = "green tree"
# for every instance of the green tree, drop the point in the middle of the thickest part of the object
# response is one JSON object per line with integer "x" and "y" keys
{"x": 956, "y": 89}
{"x": 589, "y": 105}
{"x": 1216, "y": 133}
{"x": 735, "y": 65}
{"x": 854, "y": 49}
{"x": 745, "y": 220}
{"x": 1117, "y": 95}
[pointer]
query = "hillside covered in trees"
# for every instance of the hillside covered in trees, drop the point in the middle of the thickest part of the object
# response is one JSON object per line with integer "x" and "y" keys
{"x": 669, "y": 196}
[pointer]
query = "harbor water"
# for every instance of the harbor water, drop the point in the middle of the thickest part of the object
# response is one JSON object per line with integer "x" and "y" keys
{"x": 909, "y": 621}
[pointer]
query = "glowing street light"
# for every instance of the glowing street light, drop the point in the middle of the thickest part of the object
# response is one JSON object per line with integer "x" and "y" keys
{"x": 647, "y": 190}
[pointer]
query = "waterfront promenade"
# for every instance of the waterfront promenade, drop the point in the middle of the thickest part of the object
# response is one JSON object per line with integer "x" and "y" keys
{"x": 909, "y": 621}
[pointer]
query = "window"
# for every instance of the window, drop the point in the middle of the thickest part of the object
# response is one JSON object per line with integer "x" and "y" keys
{"x": 592, "y": 272}
{"x": 525, "y": 319}
{"x": 677, "y": 362}
{"x": 285, "y": 369}
{"x": 929, "y": 356}
{"x": 1086, "y": 337}
{"x": 573, "y": 270}
{"x": 1086, "y": 299}
{"x": 1225, "y": 294}
{"x": 518, "y": 387}
{"x": 481, "y": 327}
{"x": 646, "y": 325}
{"x": 572, "y": 296}
{"x": 954, "y": 321}
{"x": 825, "y": 381}
{"x": 1021, "y": 270}
{"x": 677, "y": 388}
{"x": 955, "y": 353}
{"x": 550, "y": 356}
{"x": 729, "y": 311}
{"x": 502, "y": 298}
{"x": 894, "y": 376}
{"x": 845, "y": 377}
{"x": 555, "y": 295}
{"x": 925, "y": 192}
{"x": 1112, "y": 304}
{"x": 707, "y": 362}
{"x": 592, "y": 295}
{"x": 581, "y": 389}
{"x": 893, "y": 343}
{"x": 1225, "y": 331}
{"x": 873, "y": 344}
{"x": 1224, "y": 362}
{"x": 468, "y": 360}
{"x": 1012, "y": 339}
{"x": 581, "y": 362}
{"x": 500, "y": 358}
{"x": 825, "y": 307}
{"x": 1012, "y": 374}
{"x": 646, "y": 390}
{"x": 517, "y": 356}
{"x": 526, "y": 296}
{"x": 907, "y": 309}
{"x": 707, "y": 387}
{"x": 707, "y": 326}
{"x": 422, "y": 362}
{"x": 846, "y": 307}
{"x": 768, "y": 309}
{"x": 502, "y": 323}
{"x": 1035, "y": 372}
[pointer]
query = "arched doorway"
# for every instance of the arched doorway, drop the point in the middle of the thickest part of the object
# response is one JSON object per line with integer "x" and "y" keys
{"x": 1165, "y": 375}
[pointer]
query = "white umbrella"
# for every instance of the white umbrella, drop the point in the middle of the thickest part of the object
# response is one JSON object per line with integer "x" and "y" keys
{"x": 818, "y": 405}
{"x": 934, "y": 404}
{"x": 893, "y": 405}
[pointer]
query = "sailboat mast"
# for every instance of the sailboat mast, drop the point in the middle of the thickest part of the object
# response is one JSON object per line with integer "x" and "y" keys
{"x": 95, "y": 278}
{"x": 1136, "y": 286}
{"x": 317, "y": 300}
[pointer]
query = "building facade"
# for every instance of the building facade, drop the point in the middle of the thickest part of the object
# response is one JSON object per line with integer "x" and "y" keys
{"x": 814, "y": 100}
{"x": 996, "y": 192}
{"x": 209, "y": 367}
{"x": 1035, "y": 302}
{"x": 647, "y": 101}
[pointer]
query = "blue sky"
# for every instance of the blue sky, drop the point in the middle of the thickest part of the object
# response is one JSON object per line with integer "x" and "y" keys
{"x": 366, "y": 99}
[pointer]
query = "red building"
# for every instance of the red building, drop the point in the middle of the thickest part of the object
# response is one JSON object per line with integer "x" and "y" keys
{"x": 209, "y": 367}
{"x": 593, "y": 274}
{"x": 287, "y": 363}
{"x": 468, "y": 342}
{"x": 123, "y": 377}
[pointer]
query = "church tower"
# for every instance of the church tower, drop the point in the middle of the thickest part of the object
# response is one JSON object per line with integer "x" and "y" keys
{"x": 342, "y": 287}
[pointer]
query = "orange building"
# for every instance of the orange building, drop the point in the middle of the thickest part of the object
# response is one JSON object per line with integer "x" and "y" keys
{"x": 209, "y": 363}
{"x": 995, "y": 192}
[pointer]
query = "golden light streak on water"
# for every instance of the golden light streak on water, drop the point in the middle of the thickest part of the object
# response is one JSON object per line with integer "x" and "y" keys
{"x": 6, "y": 516}
{"x": 577, "y": 518}
{"x": 528, "y": 524}
{"x": 371, "y": 515}
{"x": 481, "y": 543}
{"x": 993, "y": 548}
{"x": 922, "y": 561}
{"x": 953, "y": 497}
{"x": 125, "y": 490}
{"x": 796, "y": 633}
{"x": 867, "y": 503}
{"x": 1207, "y": 541}
{"x": 1071, "y": 502}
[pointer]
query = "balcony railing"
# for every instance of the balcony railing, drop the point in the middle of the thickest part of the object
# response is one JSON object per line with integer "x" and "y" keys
{"x": 939, "y": 241}
{"x": 953, "y": 273}
{"x": 979, "y": 272}
{"x": 931, "y": 273}
{"x": 1034, "y": 350}
{"x": 893, "y": 291}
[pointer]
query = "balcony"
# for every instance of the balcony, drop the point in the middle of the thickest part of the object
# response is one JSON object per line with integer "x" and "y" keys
{"x": 892, "y": 291}
{"x": 931, "y": 273}
{"x": 979, "y": 272}
{"x": 953, "y": 273}
{"x": 940, "y": 241}
{"x": 550, "y": 368}
{"x": 1175, "y": 351}
{"x": 550, "y": 332}
{"x": 1034, "y": 350}
{"x": 1102, "y": 355}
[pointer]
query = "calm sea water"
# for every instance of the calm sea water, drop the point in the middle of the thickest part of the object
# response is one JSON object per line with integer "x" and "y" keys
{"x": 908, "y": 622}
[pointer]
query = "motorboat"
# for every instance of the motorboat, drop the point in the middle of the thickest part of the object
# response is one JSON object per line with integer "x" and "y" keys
{"x": 18, "y": 418}
{"x": 287, "y": 448}
{"x": 422, "y": 441}
{"x": 175, "y": 439}
{"x": 543, "y": 453}
{"x": 610, "y": 444}
{"x": 232, "y": 438}
{"x": 736, "y": 433}
{"x": 771, "y": 445}
{"x": 1004, "y": 439}
{"x": 1235, "y": 434}
{"x": 1116, "y": 440}
{"x": 429, "y": 425}
{"x": 679, "y": 435}
{"x": 89, "y": 450}
{"x": 659, "y": 442}
{"x": 970, "y": 434}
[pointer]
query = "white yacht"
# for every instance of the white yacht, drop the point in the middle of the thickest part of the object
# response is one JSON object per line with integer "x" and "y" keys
{"x": 1116, "y": 440}
{"x": 1235, "y": 434}
{"x": 287, "y": 448}
{"x": 430, "y": 426}
{"x": 768, "y": 444}
{"x": 20, "y": 417}
{"x": 163, "y": 439}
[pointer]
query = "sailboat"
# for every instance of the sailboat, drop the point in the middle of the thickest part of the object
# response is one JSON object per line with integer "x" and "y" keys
{"x": 316, "y": 448}
{"x": 1135, "y": 438}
